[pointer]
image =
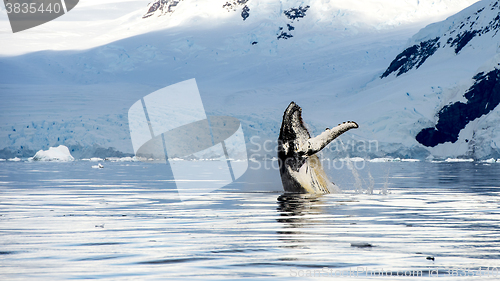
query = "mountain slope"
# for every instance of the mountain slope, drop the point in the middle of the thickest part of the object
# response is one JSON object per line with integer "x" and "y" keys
{"x": 327, "y": 56}
{"x": 462, "y": 55}
{"x": 457, "y": 32}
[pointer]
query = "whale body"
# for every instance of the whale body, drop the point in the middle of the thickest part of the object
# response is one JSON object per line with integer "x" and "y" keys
{"x": 300, "y": 168}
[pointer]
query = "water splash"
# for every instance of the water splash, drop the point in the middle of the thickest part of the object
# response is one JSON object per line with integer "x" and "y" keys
{"x": 385, "y": 189}
{"x": 358, "y": 182}
{"x": 372, "y": 183}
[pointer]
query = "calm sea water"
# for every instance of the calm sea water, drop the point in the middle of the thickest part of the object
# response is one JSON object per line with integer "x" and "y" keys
{"x": 67, "y": 221}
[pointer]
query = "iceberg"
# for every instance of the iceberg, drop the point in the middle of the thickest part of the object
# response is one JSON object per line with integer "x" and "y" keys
{"x": 60, "y": 153}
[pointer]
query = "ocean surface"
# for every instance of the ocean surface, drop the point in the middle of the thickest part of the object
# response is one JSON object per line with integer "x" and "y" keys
{"x": 396, "y": 220}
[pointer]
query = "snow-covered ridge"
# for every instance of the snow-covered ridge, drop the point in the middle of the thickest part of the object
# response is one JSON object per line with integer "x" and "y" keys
{"x": 469, "y": 43}
{"x": 454, "y": 33}
{"x": 349, "y": 16}
{"x": 105, "y": 25}
{"x": 334, "y": 49}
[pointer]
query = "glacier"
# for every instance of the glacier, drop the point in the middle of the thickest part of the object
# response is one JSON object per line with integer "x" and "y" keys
{"x": 339, "y": 60}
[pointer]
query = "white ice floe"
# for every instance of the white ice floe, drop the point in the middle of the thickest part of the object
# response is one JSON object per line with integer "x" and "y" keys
{"x": 127, "y": 159}
{"x": 60, "y": 153}
{"x": 381, "y": 160}
{"x": 453, "y": 160}
{"x": 410, "y": 160}
{"x": 98, "y": 166}
{"x": 353, "y": 159}
{"x": 15, "y": 159}
{"x": 119, "y": 159}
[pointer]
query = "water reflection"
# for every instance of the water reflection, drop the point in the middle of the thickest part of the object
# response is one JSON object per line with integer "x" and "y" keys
{"x": 130, "y": 222}
{"x": 298, "y": 212}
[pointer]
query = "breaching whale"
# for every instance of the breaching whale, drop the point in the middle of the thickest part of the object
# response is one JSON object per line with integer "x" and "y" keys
{"x": 300, "y": 168}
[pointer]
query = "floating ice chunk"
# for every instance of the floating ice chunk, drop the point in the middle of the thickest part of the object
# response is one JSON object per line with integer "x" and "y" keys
{"x": 492, "y": 160}
{"x": 98, "y": 166}
{"x": 353, "y": 159}
{"x": 96, "y": 159}
{"x": 60, "y": 153}
{"x": 127, "y": 159}
{"x": 381, "y": 160}
{"x": 15, "y": 159}
{"x": 453, "y": 160}
{"x": 410, "y": 160}
{"x": 2, "y": 160}
{"x": 123, "y": 159}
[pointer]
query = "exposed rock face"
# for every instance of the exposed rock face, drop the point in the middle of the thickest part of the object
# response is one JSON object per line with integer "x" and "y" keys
{"x": 459, "y": 38}
{"x": 161, "y": 7}
{"x": 164, "y": 7}
{"x": 480, "y": 23}
{"x": 482, "y": 98}
{"x": 235, "y": 5}
{"x": 292, "y": 14}
{"x": 413, "y": 56}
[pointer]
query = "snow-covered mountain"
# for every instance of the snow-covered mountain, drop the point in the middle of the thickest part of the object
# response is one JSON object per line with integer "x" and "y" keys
{"x": 452, "y": 73}
{"x": 337, "y": 59}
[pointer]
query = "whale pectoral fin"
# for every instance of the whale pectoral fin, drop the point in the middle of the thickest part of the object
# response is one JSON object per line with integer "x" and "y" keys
{"x": 314, "y": 145}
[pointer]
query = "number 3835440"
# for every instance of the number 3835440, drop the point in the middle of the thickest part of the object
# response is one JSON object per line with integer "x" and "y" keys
{"x": 33, "y": 8}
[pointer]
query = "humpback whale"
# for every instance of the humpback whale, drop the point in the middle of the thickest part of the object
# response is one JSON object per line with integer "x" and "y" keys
{"x": 300, "y": 167}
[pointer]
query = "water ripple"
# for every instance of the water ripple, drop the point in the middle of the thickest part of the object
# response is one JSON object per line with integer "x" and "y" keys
{"x": 70, "y": 225}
